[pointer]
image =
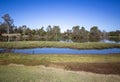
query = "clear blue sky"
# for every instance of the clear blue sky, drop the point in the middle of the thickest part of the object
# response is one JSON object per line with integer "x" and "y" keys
{"x": 66, "y": 13}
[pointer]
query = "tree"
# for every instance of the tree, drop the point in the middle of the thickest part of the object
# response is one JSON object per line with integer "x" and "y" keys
{"x": 95, "y": 34}
{"x": 28, "y": 31}
{"x": 83, "y": 35}
{"x": 41, "y": 31}
{"x": 56, "y": 32}
{"x": 3, "y": 28}
{"x": 24, "y": 28}
{"x": 104, "y": 35}
{"x": 49, "y": 32}
{"x": 49, "y": 28}
{"x": 114, "y": 33}
{"x": 33, "y": 32}
{"x": 8, "y": 22}
{"x": 76, "y": 32}
{"x": 68, "y": 34}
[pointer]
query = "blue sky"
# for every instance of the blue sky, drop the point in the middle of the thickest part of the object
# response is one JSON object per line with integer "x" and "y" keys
{"x": 66, "y": 13}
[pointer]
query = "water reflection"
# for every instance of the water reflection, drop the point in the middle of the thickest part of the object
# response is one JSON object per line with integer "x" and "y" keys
{"x": 110, "y": 41}
{"x": 103, "y": 40}
{"x": 5, "y": 50}
{"x": 114, "y": 39}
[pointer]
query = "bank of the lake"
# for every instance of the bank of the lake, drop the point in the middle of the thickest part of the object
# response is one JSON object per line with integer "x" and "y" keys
{"x": 56, "y": 58}
{"x": 36, "y": 44}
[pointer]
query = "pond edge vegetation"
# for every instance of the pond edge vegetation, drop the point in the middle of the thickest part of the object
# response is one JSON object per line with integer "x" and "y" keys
{"x": 73, "y": 45}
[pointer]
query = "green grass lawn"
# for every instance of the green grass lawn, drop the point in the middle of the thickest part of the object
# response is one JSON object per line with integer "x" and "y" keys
{"x": 12, "y": 69}
{"x": 49, "y": 74}
{"x": 103, "y": 64}
{"x": 33, "y": 44}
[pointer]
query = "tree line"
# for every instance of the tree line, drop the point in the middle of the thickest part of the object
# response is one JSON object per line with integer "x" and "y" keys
{"x": 53, "y": 33}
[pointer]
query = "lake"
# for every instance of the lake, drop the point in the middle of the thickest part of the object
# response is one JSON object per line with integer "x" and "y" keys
{"x": 103, "y": 40}
{"x": 62, "y": 51}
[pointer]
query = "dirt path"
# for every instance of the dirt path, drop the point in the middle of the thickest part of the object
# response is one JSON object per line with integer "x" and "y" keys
{"x": 100, "y": 68}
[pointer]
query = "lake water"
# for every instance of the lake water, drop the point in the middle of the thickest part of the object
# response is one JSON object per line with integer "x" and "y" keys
{"x": 104, "y": 40}
{"x": 109, "y": 41}
{"x": 62, "y": 51}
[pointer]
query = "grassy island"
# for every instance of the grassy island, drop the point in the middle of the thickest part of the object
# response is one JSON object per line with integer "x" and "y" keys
{"x": 35, "y": 44}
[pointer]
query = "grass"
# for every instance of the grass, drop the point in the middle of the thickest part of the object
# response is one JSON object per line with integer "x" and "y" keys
{"x": 34, "y": 44}
{"x": 48, "y": 74}
{"x": 27, "y": 68}
{"x": 7, "y": 58}
{"x": 109, "y": 64}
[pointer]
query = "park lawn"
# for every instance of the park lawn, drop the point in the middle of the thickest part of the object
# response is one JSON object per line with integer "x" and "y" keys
{"x": 35, "y": 44}
{"x": 59, "y": 68}
{"x": 20, "y": 73}
{"x": 103, "y": 64}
